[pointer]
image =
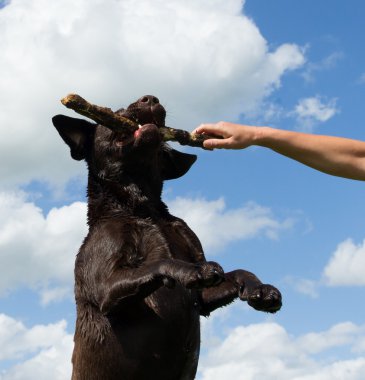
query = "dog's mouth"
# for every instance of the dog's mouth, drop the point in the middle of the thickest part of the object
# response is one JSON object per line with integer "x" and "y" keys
{"x": 145, "y": 134}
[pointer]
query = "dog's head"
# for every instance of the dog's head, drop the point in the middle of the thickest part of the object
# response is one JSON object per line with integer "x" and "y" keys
{"x": 111, "y": 154}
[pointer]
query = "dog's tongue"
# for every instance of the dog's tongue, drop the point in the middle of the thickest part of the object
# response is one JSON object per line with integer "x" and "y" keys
{"x": 138, "y": 131}
{"x": 143, "y": 128}
{"x": 147, "y": 134}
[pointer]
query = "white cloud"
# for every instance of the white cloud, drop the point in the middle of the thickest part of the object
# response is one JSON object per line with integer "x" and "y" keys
{"x": 267, "y": 351}
{"x": 346, "y": 266}
{"x": 310, "y": 111}
{"x": 217, "y": 226}
{"x": 39, "y": 250}
{"x": 54, "y": 294}
{"x": 338, "y": 335}
{"x": 16, "y": 340}
{"x": 42, "y": 352}
{"x": 205, "y": 60}
{"x": 304, "y": 286}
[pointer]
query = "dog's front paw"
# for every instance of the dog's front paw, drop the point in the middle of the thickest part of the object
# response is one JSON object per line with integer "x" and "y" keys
{"x": 265, "y": 298}
{"x": 212, "y": 274}
{"x": 206, "y": 274}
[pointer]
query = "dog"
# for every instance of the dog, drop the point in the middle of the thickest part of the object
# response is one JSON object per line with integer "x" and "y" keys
{"x": 141, "y": 278}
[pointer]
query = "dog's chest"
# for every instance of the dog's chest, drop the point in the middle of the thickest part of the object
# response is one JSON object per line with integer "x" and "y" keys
{"x": 179, "y": 242}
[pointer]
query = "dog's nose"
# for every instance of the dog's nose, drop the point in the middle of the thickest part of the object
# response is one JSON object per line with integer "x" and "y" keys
{"x": 149, "y": 100}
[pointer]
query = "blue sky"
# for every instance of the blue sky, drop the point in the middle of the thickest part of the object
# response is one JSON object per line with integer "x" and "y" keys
{"x": 291, "y": 65}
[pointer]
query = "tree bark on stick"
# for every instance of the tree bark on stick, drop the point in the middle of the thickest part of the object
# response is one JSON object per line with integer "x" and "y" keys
{"x": 105, "y": 116}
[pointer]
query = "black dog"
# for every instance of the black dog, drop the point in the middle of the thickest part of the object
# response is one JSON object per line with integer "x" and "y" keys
{"x": 142, "y": 280}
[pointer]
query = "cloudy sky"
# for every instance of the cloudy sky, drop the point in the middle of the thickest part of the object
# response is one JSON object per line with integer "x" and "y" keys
{"x": 291, "y": 65}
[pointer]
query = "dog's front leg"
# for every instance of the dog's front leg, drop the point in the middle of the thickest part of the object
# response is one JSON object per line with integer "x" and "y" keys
{"x": 244, "y": 285}
{"x": 140, "y": 282}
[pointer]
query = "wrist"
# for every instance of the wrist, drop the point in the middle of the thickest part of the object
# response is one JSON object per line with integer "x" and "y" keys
{"x": 261, "y": 136}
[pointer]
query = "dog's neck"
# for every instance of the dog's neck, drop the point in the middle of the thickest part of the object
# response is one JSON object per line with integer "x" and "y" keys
{"x": 126, "y": 197}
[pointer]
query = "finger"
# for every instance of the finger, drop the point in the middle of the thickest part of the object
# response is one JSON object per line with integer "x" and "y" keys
{"x": 208, "y": 128}
{"x": 216, "y": 143}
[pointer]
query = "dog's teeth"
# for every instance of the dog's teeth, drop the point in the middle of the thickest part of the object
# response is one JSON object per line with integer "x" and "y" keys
{"x": 139, "y": 126}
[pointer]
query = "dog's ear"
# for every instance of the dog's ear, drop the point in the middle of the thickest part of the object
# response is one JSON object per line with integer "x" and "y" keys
{"x": 175, "y": 164}
{"x": 76, "y": 133}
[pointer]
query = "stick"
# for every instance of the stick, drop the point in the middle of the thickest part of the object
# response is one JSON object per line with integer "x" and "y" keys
{"x": 118, "y": 123}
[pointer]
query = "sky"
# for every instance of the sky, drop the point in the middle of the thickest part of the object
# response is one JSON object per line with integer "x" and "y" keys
{"x": 290, "y": 65}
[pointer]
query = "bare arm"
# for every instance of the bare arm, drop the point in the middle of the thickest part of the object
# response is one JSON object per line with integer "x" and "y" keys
{"x": 332, "y": 155}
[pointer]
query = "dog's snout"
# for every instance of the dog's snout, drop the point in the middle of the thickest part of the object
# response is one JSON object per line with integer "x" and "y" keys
{"x": 147, "y": 110}
{"x": 149, "y": 100}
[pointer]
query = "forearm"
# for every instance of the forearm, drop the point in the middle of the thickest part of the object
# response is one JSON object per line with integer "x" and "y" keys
{"x": 332, "y": 155}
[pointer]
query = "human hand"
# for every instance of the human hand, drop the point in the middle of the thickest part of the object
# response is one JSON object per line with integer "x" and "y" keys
{"x": 229, "y": 135}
